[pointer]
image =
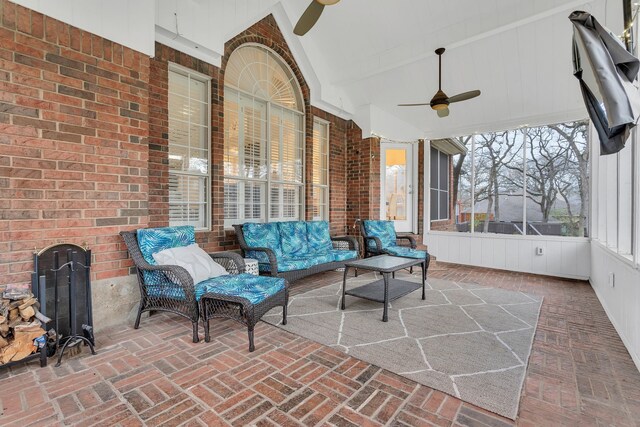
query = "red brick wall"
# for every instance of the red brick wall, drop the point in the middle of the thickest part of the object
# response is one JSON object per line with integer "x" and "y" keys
{"x": 73, "y": 142}
{"x": 83, "y": 142}
{"x": 266, "y": 33}
{"x": 363, "y": 177}
{"x": 215, "y": 239}
{"x": 337, "y": 171}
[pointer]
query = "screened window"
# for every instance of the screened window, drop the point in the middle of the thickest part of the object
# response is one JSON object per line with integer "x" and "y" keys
{"x": 527, "y": 181}
{"x": 320, "y": 171}
{"x": 439, "y": 174}
{"x": 189, "y": 172}
{"x": 263, "y": 139}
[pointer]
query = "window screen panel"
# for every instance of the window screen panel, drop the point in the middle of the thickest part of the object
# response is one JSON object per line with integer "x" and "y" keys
{"x": 443, "y": 208}
{"x": 443, "y": 172}
{"x": 433, "y": 171}
{"x": 434, "y": 204}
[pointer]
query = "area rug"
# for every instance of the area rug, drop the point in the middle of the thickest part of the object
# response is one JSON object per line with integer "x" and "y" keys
{"x": 470, "y": 341}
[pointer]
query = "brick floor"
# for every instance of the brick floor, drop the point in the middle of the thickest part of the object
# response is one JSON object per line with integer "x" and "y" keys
{"x": 579, "y": 374}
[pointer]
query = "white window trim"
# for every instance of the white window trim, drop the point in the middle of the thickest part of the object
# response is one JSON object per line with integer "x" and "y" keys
{"x": 228, "y": 223}
{"x": 438, "y": 189}
{"x": 326, "y": 186}
{"x": 173, "y": 67}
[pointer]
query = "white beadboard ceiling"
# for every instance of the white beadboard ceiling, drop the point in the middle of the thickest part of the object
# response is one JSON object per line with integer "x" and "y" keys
{"x": 365, "y": 56}
{"x": 379, "y": 53}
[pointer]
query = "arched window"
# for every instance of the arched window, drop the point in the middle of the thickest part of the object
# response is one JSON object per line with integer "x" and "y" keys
{"x": 263, "y": 138}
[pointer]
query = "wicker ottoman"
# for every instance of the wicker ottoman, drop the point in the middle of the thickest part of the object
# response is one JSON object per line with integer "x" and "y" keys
{"x": 246, "y": 306}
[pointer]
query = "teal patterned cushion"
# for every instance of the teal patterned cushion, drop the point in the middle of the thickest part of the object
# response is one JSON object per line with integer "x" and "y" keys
{"x": 253, "y": 288}
{"x": 293, "y": 237}
{"x": 317, "y": 258}
{"x": 164, "y": 290}
{"x": 318, "y": 236}
{"x": 262, "y": 235}
{"x": 287, "y": 264}
{"x": 403, "y": 251}
{"x": 342, "y": 255}
{"x": 152, "y": 240}
{"x": 383, "y": 230}
{"x": 258, "y": 255}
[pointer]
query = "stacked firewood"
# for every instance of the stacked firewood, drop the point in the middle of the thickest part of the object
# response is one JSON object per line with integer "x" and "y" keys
{"x": 20, "y": 325}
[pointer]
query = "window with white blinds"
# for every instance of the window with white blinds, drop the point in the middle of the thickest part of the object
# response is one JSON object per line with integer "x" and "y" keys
{"x": 320, "y": 172}
{"x": 189, "y": 148}
{"x": 263, "y": 139}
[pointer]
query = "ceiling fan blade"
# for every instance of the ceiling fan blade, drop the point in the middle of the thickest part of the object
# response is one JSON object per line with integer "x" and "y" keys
{"x": 443, "y": 113}
{"x": 464, "y": 96}
{"x": 413, "y": 105}
{"x": 308, "y": 18}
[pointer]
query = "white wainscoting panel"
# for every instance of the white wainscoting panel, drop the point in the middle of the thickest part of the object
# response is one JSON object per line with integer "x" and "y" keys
{"x": 562, "y": 257}
{"x": 622, "y": 301}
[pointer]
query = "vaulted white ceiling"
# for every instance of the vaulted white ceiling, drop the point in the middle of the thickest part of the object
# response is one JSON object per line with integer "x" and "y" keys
{"x": 365, "y": 56}
{"x": 378, "y": 53}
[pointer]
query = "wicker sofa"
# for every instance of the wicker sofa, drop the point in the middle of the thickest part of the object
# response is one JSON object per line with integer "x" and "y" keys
{"x": 295, "y": 249}
{"x": 238, "y": 295}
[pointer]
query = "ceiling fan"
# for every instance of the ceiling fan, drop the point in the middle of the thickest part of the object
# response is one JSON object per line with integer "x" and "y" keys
{"x": 440, "y": 101}
{"x": 311, "y": 15}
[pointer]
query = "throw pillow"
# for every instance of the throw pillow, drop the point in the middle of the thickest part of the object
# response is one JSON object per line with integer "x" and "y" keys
{"x": 196, "y": 261}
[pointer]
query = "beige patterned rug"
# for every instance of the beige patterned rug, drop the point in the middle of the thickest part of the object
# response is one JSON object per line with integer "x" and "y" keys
{"x": 470, "y": 341}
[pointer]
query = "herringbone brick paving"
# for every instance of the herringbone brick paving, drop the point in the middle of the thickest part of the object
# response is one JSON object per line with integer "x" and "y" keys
{"x": 579, "y": 374}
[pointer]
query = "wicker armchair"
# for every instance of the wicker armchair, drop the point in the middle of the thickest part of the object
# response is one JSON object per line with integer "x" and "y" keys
{"x": 380, "y": 238}
{"x": 373, "y": 245}
{"x": 169, "y": 287}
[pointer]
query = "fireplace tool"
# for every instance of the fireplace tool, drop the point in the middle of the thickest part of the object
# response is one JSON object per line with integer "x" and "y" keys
{"x": 68, "y": 311}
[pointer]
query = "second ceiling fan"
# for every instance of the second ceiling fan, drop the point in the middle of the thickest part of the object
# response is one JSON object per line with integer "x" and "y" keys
{"x": 311, "y": 16}
{"x": 440, "y": 101}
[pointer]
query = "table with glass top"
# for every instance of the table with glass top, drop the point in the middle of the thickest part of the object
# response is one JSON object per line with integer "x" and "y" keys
{"x": 388, "y": 288}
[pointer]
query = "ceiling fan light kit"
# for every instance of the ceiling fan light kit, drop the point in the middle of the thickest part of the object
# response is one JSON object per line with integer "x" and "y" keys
{"x": 440, "y": 101}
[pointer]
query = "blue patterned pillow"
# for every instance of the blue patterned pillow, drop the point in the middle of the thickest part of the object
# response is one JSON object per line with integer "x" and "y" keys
{"x": 262, "y": 235}
{"x": 318, "y": 236}
{"x": 152, "y": 240}
{"x": 293, "y": 237}
{"x": 383, "y": 230}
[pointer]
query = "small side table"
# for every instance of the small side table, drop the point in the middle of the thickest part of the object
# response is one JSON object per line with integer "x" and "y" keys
{"x": 251, "y": 266}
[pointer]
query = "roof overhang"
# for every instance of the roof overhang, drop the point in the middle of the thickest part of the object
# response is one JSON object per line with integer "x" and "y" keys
{"x": 449, "y": 146}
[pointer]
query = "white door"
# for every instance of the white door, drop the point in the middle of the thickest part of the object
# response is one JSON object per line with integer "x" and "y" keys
{"x": 397, "y": 185}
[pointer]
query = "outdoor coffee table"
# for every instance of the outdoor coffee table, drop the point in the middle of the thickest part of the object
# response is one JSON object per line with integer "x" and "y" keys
{"x": 388, "y": 288}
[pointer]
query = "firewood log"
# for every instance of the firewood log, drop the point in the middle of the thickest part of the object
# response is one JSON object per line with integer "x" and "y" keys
{"x": 13, "y": 314}
{"x": 27, "y": 302}
{"x": 3, "y": 342}
{"x": 2, "y": 319}
{"x": 27, "y": 312}
{"x": 7, "y": 353}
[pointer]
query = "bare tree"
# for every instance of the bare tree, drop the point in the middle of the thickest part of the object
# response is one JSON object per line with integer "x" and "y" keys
{"x": 575, "y": 135}
{"x": 494, "y": 151}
